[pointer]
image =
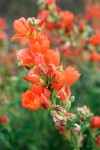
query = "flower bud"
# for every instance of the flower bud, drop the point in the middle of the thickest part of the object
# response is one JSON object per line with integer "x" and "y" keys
{"x": 72, "y": 98}
{"x": 41, "y": 70}
{"x": 45, "y": 102}
{"x": 58, "y": 108}
{"x": 30, "y": 21}
{"x": 76, "y": 128}
{"x": 62, "y": 95}
{"x": 68, "y": 105}
{"x": 95, "y": 122}
{"x": 60, "y": 126}
{"x": 3, "y": 119}
{"x": 67, "y": 90}
{"x": 26, "y": 78}
{"x": 40, "y": 23}
{"x": 56, "y": 117}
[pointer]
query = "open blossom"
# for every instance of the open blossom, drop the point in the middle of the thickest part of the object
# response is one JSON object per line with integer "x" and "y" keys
{"x": 22, "y": 28}
{"x": 52, "y": 57}
{"x": 41, "y": 45}
{"x": 71, "y": 75}
{"x": 25, "y": 56}
{"x": 59, "y": 80}
{"x": 25, "y": 28}
{"x": 38, "y": 59}
{"x": 34, "y": 98}
{"x": 30, "y": 100}
{"x": 68, "y": 76}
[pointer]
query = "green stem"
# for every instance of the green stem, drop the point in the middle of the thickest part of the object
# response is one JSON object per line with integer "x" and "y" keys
{"x": 74, "y": 141}
{"x": 92, "y": 139}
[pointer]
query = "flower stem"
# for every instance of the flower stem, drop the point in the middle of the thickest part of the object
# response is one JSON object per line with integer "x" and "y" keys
{"x": 74, "y": 141}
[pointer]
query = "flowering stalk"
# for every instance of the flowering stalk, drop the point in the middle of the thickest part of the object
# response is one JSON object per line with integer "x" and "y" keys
{"x": 49, "y": 82}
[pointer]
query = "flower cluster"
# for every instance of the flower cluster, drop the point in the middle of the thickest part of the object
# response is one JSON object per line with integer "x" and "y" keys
{"x": 48, "y": 80}
{"x": 93, "y": 13}
{"x": 71, "y": 33}
{"x": 59, "y": 19}
{"x": 95, "y": 44}
{"x": 95, "y": 39}
{"x": 56, "y": 18}
{"x": 79, "y": 127}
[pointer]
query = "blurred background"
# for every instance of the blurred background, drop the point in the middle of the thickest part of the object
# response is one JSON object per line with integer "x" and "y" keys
{"x": 12, "y": 9}
{"x": 22, "y": 129}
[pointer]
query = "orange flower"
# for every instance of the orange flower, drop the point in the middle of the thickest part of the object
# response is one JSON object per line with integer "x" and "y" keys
{"x": 62, "y": 77}
{"x": 67, "y": 18}
{"x": 22, "y": 28}
{"x": 43, "y": 93}
{"x": 37, "y": 89}
{"x": 38, "y": 59}
{"x": 60, "y": 80}
{"x": 50, "y": 25}
{"x": 71, "y": 75}
{"x": 95, "y": 57}
{"x": 43, "y": 14}
{"x": 23, "y": 41}
{"x": 25, "y": 56}
{"x": 37, "y": 96}
{"x": 27, "y": 29}
{"x": 33, "y": 70}
{"x": 30, "y": 100}
{"x": 41, "y": 45}
{"x": 52, "y": 57}
{"x": 95, "y": 39}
